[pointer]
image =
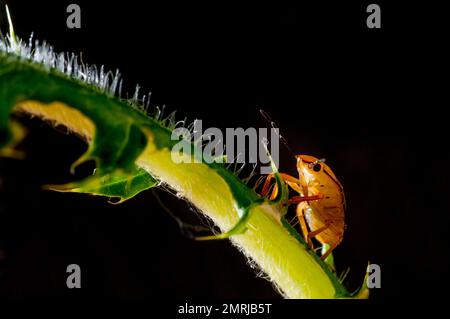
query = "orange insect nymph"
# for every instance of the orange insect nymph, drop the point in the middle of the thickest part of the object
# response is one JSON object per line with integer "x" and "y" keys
{"x": 320, "y": 203}
{"x": 324, "y": 215}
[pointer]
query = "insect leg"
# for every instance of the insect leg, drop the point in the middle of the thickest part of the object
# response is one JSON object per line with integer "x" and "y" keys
{"x": 318, "y": 231}
{"x": 266, "y": 187}
{"x": 274, "y": 192}
{"x": 299, "y": 199}
{"x": 303, "y": 225}
{"x": 290, "y": 181}
{"x": 289, "y": 178}
{"x": 295, "y": 187}
{"x": 293, "y": 182}
{"x": 329, "y": 260}
{"x": 333, "y": 246}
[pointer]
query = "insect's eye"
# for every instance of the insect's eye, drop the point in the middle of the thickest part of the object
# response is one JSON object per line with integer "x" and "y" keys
{"x": 317, "y": 167}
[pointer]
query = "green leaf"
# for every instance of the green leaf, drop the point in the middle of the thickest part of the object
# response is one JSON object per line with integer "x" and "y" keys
{"x": 118, "y": 185}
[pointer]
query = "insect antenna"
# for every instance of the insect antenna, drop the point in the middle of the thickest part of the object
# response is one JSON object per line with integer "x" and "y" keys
{"x": 277, "y": 130}
{"x": 284, "y": 142}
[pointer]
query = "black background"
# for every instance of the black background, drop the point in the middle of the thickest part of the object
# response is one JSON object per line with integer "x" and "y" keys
{"x": 367, "y": 100}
